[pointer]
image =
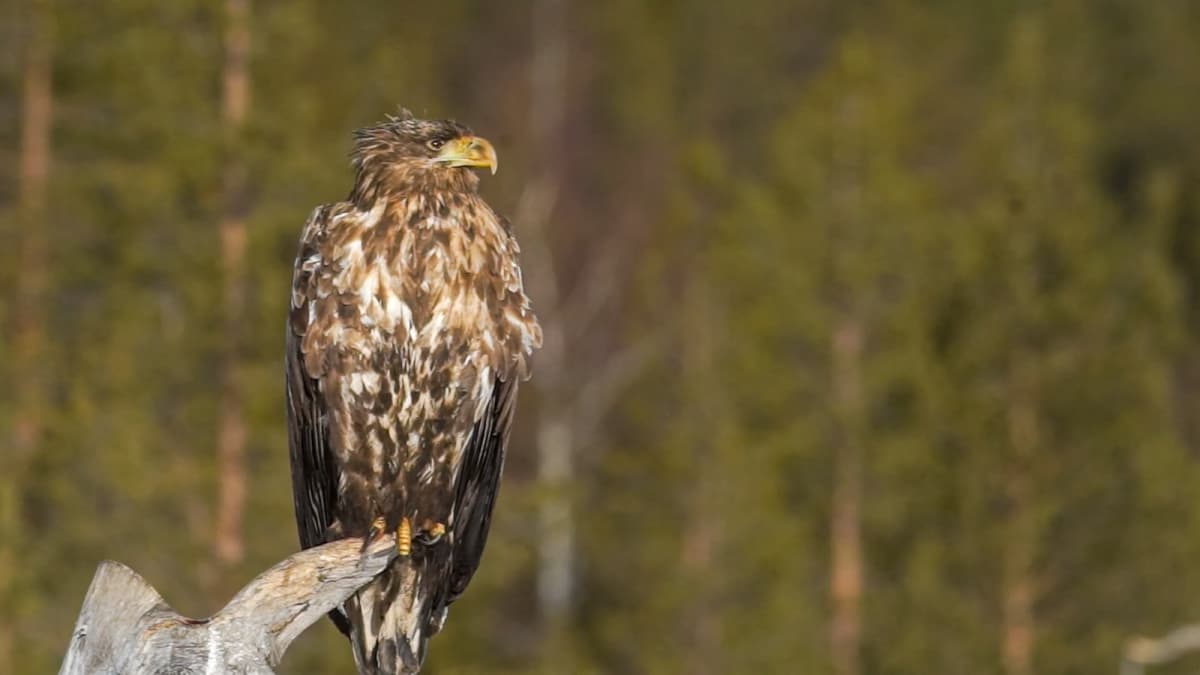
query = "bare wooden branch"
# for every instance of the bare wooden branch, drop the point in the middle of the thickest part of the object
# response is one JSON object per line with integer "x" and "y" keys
{"x": 1143, "y": 651}
{"x": 126, "y": 627}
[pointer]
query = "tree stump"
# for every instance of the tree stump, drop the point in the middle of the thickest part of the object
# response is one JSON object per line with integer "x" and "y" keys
{"x": 126, "y": 627}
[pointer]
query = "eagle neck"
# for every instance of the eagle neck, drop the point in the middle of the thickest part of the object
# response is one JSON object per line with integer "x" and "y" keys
{"x": 395, "y": 184}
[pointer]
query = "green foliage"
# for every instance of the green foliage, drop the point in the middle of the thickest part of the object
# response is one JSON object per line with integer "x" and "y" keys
{"x": 998, "y": 192}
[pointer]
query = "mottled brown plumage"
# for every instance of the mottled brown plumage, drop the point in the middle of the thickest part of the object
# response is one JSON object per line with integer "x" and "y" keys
{"x": 409, "y": 330}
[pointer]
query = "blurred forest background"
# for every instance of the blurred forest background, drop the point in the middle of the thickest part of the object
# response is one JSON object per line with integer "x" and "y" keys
{"x": 872, "y": 343}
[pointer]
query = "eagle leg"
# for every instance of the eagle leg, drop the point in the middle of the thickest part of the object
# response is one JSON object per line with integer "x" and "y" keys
{"x": 404, "y": 537}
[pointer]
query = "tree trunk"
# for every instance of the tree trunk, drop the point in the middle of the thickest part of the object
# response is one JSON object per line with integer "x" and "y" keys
{"x": 28, "y": 319}
{"x": 845, "y": 518}
{"x": 231, "y": 434}
{"x": 847, "y": 344}
{"x": 554, "y": 435}
{"x": 1019, "y": 588}
{"x": 28, "y": 342}
{"x": 701, "y": 546}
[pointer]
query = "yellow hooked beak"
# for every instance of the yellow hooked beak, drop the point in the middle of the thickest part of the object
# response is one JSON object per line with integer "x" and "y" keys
{"x": 469, "y": 151}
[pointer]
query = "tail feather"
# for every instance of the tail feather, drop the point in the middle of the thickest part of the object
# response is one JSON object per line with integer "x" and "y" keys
{"x": 392, "y": 619}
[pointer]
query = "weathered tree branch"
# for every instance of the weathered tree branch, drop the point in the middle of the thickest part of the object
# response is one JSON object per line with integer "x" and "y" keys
{"x": 1143, "y": 651}
{"x": 126, "y": 627}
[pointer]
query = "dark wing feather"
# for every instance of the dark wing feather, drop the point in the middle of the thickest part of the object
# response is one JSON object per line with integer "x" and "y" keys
{"x": 314, "y": 471}
{"x": 478, "y": 483}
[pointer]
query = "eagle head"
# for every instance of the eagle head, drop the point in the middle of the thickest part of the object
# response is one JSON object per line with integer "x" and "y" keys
{"x": 406, "y": 152}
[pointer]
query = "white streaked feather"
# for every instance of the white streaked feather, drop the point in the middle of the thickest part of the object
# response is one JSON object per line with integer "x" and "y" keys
{"x": 398, "y": 313}
{"x": 373, "y": 216}
{"x": 351, "y": 254}
{"x": 370, "y": 381}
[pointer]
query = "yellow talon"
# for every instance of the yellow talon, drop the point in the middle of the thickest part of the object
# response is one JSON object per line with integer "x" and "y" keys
{"x": 404, "y": 537}
{"x": 437, "y": 531}
{"x": 378, "y": 527}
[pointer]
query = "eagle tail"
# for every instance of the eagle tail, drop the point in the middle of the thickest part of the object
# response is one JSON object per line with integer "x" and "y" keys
{"x": 393, "y": 617}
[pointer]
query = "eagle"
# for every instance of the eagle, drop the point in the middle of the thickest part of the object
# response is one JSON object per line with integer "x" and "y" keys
{"x": 408, "y": 332}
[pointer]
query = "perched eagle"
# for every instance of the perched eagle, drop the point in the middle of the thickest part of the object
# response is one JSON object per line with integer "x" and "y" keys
{"x": 408, "y": 332}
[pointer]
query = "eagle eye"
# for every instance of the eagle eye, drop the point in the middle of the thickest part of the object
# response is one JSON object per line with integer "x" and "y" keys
{"x": 435, "y": 144}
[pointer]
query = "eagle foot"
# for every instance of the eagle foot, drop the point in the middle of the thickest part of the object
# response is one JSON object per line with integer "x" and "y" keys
{"x": 404, "y": 537}
{"x": 378, "y": 527}
{"x": 431, "y": 532}
{"x": 377, "y": 530}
